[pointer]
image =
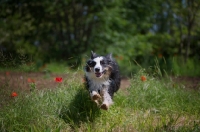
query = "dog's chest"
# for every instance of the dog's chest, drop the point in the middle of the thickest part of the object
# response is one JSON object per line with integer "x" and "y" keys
{"x": 96, "y": 85}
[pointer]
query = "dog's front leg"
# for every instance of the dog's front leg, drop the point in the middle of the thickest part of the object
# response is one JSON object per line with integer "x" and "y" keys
{"x": 107, "y": 100}
{"x": 95, "y": 96}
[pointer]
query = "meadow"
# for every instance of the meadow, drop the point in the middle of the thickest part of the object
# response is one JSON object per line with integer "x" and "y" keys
{"x": 151, "y": 102}
{"x": 44, "y": 45}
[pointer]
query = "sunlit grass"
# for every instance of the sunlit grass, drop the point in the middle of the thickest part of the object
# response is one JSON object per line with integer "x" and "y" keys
{"x": 57, "y": 67}
{"x": 150, "y": 105}
{"x": 54, "y": 67}
{"x": 191, "y": 67}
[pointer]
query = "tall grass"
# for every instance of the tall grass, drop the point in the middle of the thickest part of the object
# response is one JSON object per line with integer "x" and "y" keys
{"x": 189, "y": 68}
{"x": 152, "y": 105}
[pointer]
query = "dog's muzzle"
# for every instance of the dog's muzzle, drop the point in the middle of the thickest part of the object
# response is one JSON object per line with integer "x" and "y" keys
{"x": 100, "y": 74}
{"x": 97, "y": 72}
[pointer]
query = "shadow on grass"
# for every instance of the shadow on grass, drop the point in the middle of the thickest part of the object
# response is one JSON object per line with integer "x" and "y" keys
{"x": 80, "y": 110}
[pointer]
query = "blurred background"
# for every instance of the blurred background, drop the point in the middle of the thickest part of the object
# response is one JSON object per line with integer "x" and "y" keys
{"x": 152, "y": 34}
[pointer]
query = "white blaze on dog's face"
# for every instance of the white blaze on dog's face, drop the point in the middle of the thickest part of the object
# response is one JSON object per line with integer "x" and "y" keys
{"x": 98, "y": 67}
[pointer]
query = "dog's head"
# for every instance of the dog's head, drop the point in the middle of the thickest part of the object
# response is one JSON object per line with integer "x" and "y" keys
{"x": 99, "y": 66}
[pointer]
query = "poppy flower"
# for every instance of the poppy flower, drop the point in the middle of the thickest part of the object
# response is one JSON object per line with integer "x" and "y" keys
{"x": 119, "y": 57}
{"x": 160, "y": 55}
{"x": 30, "y": 80}
{"x": 58, "y": 79}
{"x": 7, "y": 73}
{"x": 143, "y": 78}
{"x": 14, "y": 94}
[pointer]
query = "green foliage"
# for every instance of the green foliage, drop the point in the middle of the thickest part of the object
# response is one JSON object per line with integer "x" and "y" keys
{"x": 138, "y": 50}
{"x": 189, "y": 68}
{"x": 46, "y": 31}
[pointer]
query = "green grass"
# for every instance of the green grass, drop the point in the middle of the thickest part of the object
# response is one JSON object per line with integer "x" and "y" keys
{"x": 189, "y": 68}
{"x": 54, "y": 67}
{"x": 152, "y": 105}
{"x": 57, "y": 67}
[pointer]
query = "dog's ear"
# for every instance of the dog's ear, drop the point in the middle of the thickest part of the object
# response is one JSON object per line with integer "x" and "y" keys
{"x": 93, "y": 55}
{"x": 109, "y": 56}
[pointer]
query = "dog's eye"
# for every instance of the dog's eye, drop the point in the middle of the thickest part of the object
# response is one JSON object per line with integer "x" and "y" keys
{"x": 102, "y": 62}
{"x": 91, "y": 63}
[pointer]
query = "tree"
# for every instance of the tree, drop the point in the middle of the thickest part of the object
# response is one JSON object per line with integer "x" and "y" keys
{"x": 186, "y": 13}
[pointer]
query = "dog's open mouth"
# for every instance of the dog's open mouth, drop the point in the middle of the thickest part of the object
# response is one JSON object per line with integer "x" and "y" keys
{"x": 98, "y": 74}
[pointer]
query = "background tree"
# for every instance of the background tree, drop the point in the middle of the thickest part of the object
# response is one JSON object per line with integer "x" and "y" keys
{"x": 134, "y": 31}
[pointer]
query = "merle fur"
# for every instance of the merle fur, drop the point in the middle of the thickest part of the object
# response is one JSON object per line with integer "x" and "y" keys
{"x": 114, "y": 75}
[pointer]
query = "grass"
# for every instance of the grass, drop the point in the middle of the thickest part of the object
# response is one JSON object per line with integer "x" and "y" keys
{"x": 189, "y": 68}
{"x": 152, "y": 105}
{"x": 54, "y": 67}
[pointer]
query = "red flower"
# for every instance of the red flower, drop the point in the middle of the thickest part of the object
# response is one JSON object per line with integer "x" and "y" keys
{"x": 30, "y": 80}
{"x": 7, "y": 73}
{"x": 119, "y": 57}
{"x": 58, "y": 79}
{"x": 14, "y": 94}
{"x": 143, "y": 78}
{"x": 160, "y": 55}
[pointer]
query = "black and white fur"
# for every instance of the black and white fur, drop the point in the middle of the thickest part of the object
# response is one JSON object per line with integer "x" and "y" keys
{"x": 102, "y": 79}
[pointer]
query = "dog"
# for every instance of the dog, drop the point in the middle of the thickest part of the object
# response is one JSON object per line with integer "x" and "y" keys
{"x": 102, "y": 79}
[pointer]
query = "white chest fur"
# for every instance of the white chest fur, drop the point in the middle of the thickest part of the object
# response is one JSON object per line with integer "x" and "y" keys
{"x": 96, "y": 84}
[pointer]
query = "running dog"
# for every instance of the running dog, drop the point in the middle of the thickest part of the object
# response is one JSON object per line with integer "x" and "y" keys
{"x": 102, "y": 79}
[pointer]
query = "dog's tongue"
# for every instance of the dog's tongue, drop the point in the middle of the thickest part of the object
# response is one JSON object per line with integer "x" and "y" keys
{"x": 98, "y": 74}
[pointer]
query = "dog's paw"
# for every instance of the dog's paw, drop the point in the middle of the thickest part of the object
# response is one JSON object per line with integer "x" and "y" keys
{"x": 96, "y": 97}
{"x": 97, "y": 102}
{"x": 104, "y": 107}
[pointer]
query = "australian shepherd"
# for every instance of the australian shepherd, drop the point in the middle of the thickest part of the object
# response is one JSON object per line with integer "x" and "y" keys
{"x": 102, "y": 79}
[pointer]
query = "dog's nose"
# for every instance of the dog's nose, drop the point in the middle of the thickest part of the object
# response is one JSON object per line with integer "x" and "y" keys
{"x": 97, "y": 69}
